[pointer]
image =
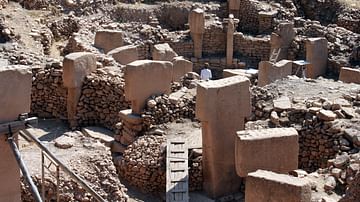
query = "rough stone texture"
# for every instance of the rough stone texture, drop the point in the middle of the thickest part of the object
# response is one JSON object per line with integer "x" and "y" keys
{"x": 269, "y": 186}
{"x": 269, "y": 72}
{"x": 15, "y": 94}
{"x": 349, "y": 75}
{"x": 125, "y": 54}
{"x": 230, "y": 98}
{"x": 275, "y": 149}
{"x": 75, "y": 67}
{"x": 353, "y": 193}
{"x": 317, "y": 56}
{"x": 108, "y": 39}
{"x": 163, "y": 52}
{"x": 141, "y": 81}
{"x": 282, "y": 38}
{"x": 180, "y": 68}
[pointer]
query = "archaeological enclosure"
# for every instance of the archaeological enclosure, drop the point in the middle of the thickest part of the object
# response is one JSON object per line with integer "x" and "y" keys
{"x": 180, "y": 100}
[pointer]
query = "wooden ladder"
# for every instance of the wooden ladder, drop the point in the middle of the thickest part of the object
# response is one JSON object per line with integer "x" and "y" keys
{"x": 275, "y": 55}
{"x": 177, "y": 176}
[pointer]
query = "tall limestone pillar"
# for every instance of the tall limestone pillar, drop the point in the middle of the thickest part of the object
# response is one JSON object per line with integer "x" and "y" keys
{"x": 197, "y": 29}
{"x": 221, "y": 106}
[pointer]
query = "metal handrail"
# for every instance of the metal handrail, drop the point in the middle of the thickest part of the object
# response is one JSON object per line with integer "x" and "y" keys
{"x": 28, "y": 135}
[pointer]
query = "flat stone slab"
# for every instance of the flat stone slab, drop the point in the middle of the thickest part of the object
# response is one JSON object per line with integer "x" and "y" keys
{"x": 282, "y": 103}
{"x": 128, "y": 116}
{"x": 99, "y": 133}
{"x": 64, "y": 142}
{"x": 269, "y": 186}
{"x": 274, "y": 149}
{"x": 349, "y": 75}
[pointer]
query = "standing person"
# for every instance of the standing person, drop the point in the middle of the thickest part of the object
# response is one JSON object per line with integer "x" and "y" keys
{"x": 206, "y": 73}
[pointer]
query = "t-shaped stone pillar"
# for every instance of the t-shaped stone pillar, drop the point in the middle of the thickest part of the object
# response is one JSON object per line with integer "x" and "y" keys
{"x": 75, "y": 67}
{"x": 234, "y": 7}
{"x": 144, "y": 78}
{"x": 231, "y": 25}
{"x": 197, "y": 29}
{"x": 221, "y": 106}
{"x": 15, "y": 99}
{"x": 281, "y": 40}
{"x": 317, "y": 56}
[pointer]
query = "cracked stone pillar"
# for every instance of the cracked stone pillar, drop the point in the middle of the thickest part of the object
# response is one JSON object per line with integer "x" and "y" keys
{"x": 221, "y": 106}
{"x": 197, "y": 29}
{"x": 76, "y": 66}
{"x": 231, "y": 27}
{"x": 15, "y": 99}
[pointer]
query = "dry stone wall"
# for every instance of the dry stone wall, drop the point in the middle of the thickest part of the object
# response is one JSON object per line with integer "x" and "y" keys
{"x": 48, "y": 95}
{"x": 101, "y": 100}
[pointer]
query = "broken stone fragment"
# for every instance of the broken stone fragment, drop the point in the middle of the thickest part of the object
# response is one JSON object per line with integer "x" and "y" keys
{"x": 326, "y": 115}
{"x": 330, "y": 183}
{"x": 64, "y": 142}
{"x": 340, "y": 161}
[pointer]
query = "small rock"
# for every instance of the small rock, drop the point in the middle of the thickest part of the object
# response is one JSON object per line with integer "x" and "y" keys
{"x": 64, "y": 142}
{"x": 151, "y": 103}
{"x": 326, "y": 115}
{"x": 340, "y": 161}
{"x": 330, "y": 183}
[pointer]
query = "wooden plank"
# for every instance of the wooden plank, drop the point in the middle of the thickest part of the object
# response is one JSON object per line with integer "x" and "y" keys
{"x": 177, "y": 180}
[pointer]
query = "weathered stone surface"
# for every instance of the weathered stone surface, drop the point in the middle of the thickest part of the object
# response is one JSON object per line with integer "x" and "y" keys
{"x": 269, "y": 186}
{"x": 221, "y": 106}
{"x": 15, "y": 93}
{"x": 282, "y": 103}
{"x": 276, "y": 150}
{"x": 317, "y": 56}
{"x": 130, "y": 117}
{"x": 181, "y": 67}
{"x": 281, "y": 40}
{"x": 330, "y": 183}
{"x": 269, "y": 72}
{"x": 349, "y": 75}
{"x": 124, "y": 54}
{"x": 108, "y": 39}
{"x": 197, "y": 29}
{"x": 142, "y": 81}
{"x": 104, "y": 135}
{"x": 64, "y": 142}
{"x": 163, "y": 52}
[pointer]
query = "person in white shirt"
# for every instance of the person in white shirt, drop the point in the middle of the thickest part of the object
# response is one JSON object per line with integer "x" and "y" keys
{"x": 206, "y": 73}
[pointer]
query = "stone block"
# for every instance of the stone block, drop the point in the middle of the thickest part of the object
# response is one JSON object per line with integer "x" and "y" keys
{"x": 272, "y": 187}
{"x": 163, "y": 52}
{"x": 269, "y": 72}
{"x": 349, "y": 75}
{"x": 181, "y": 67}
{"x": 15, "y": 93}
{"x": 275, "y": 149}
{"x": 221, "y": 106}
{"x": 76, "y": 66}
{"x": 142, "y": 81}
{"x": 234, "y": 4}
{"x": 317, "y": 56}
{"x": 128, "y": 116}
{"x": 125, "y": 54}
{"x": 108, "y": 39}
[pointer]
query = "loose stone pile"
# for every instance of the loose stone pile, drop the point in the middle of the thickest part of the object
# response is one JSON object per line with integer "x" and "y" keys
{"x": 164, "y": 109}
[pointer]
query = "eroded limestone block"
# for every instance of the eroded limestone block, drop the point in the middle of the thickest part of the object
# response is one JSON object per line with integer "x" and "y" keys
{"x": 15, "y": 91}
{"x": 181, "y": 67}
{"x": 125, "y": 54}
{"x": 108, "y": 39}
{"x": 163, "y": 52}
{"x": 269, "y": 72}
{"x": 317, "y": 56}
{"x": 349, "y": 75}
{"x": 144, "y": 78}
{"x": 234, "y": 4}
{"x": 269, "y": 186}
{"x": 281, "y": 39}
{"x": 274, "y": 149}
{"x": 221, "y": 106}
{"x": 76, "y": 66}
{"x": 197, "y": 29}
